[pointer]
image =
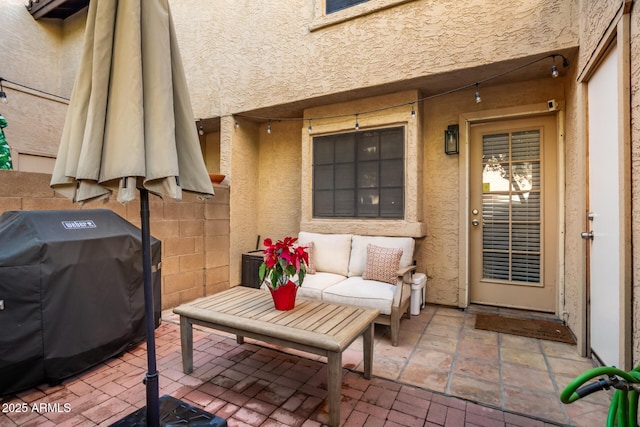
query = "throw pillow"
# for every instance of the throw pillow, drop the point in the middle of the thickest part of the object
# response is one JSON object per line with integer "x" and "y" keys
{"x": 311, "y": 268}
{"x": 382, "y": 264}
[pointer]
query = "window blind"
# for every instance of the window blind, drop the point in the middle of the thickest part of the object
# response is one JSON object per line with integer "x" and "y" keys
{"x": 511, "y": 203}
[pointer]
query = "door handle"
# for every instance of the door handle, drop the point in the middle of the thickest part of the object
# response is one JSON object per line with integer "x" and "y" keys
{"x": 587, "y": 235}
{"x": 475, "y": 222}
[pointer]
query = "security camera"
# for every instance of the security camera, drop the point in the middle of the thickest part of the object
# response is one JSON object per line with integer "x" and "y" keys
{"x": 552, "y": 104}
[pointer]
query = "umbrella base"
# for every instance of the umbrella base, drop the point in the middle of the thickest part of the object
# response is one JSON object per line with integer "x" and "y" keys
{"x": 173, "y": 412}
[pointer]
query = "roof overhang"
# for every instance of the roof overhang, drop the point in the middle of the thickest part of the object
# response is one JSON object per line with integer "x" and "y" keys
{"x": 56, "y": 9}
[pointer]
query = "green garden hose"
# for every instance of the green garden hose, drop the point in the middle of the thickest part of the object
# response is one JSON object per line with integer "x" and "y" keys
{"x": 623, "y": 410}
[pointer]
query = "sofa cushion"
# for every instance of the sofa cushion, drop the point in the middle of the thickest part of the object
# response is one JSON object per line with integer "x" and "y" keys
{"x": 361, "y": 293}
{"x": 331, "y": 252}
{"x": 313, "y": 285}
{"x": 359, "y": 251}
{"x": 382, "y": 264}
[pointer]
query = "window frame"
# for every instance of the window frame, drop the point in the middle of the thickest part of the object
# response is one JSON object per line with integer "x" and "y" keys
{"x": 351, "y": 3}
{"x": 357, "y": 164}
{"x": 321, "y": 19}
{"x": 338, "y": 121}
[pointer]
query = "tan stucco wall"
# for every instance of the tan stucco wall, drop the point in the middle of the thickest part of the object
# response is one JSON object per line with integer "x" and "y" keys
{"x": 575, "y": 160}
{"x": 278, "y": 60}
{"x": 31, "y": 50}
{"x": 42, "y": 55}
{"x": 279, "y": 171}
{"x": 210, "y": 145}
{"x": 34, "y": 125}
{"x": 635, "y": 173}
{"x": 595, "y": 17}
{"x": 70, "y": 55}
{"x": 241, "y": 147}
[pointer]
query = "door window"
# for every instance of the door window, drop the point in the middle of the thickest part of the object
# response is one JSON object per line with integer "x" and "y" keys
{"x": 511, "y": 194}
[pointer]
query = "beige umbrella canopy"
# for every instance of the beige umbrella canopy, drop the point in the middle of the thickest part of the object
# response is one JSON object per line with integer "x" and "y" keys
{"x": 130, "y": 127}
{"x": 130, "y": 120}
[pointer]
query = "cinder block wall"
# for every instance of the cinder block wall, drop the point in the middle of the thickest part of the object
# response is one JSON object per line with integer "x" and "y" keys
{"x": 194, "y": 232}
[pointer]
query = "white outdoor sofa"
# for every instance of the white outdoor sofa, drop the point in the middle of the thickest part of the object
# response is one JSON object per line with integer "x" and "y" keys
{"x": 344, "y": 269}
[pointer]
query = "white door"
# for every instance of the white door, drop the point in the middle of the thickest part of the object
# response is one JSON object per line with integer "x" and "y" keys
{"x": 605, "y": 208}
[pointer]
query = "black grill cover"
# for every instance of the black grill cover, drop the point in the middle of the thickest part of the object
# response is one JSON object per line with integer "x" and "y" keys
{"x": 71, "y": 293}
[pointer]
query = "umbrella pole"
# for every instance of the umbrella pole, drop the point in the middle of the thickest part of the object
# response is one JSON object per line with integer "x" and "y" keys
{"x": 174, "y": 410}
{"x": 151, "y": 379}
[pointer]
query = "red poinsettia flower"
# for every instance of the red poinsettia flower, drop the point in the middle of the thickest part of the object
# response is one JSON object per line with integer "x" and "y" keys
{"x": 283, "y": 261}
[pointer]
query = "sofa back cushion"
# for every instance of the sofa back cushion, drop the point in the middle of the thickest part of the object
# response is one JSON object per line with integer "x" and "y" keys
{"x": 331, "y": 252}
{"x": 359, "y": 244}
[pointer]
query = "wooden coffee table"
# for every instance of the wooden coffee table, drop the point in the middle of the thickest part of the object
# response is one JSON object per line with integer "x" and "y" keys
{"x": 312, "y": 326}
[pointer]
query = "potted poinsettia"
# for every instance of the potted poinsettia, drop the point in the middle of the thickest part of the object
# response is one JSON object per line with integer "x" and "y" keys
{"x": 283, "y": 270}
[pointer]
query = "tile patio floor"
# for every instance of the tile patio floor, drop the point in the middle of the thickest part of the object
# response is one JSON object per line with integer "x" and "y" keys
{"x": 443, "y": 373}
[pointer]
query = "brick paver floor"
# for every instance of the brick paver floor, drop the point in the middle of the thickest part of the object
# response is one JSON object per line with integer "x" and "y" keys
{"x": 249, "y": 385}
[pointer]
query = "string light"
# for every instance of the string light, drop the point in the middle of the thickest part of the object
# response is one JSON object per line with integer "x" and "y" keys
{"x": 3, "y": 94}
{"x": 478, "y": 99}
{"x": 554, "y": 69}
{"x": 237, "y": 124}
{"x": 200, "y": 128}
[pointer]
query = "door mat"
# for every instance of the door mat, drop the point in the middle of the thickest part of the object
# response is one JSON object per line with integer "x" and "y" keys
{"x": 532, "y": 328}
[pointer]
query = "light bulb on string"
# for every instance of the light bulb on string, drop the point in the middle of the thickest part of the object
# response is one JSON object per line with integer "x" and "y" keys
{"x": 478, "y": 99}
{"x": 201, "y": 128}
{"x": 309, "y": 127}
{"x": 237, "y": 124}
{"x": 269, "y": 127}
{"x": 357, "y": 124}
{"x": 413, "y": 111}
{"x": 554, "y": 69}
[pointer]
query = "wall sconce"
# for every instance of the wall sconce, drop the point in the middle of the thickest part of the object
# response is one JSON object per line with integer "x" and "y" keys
{"x": 451, "y": 139}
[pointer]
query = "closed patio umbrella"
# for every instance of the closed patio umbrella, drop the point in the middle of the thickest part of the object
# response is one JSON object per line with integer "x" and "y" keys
{"x": 130, "y": 126}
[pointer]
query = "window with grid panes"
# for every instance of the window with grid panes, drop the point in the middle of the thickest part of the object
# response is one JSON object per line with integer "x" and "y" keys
{"x": 336, "y": 5}
{"x": 359, "y": 175}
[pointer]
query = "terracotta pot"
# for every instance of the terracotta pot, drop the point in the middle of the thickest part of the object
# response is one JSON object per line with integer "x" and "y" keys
{"x": 216, "y": 178}
{"x": 284, "y": 297}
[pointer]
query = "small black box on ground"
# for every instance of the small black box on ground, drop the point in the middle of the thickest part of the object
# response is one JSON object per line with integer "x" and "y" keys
{"x": 250, "y": 265}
